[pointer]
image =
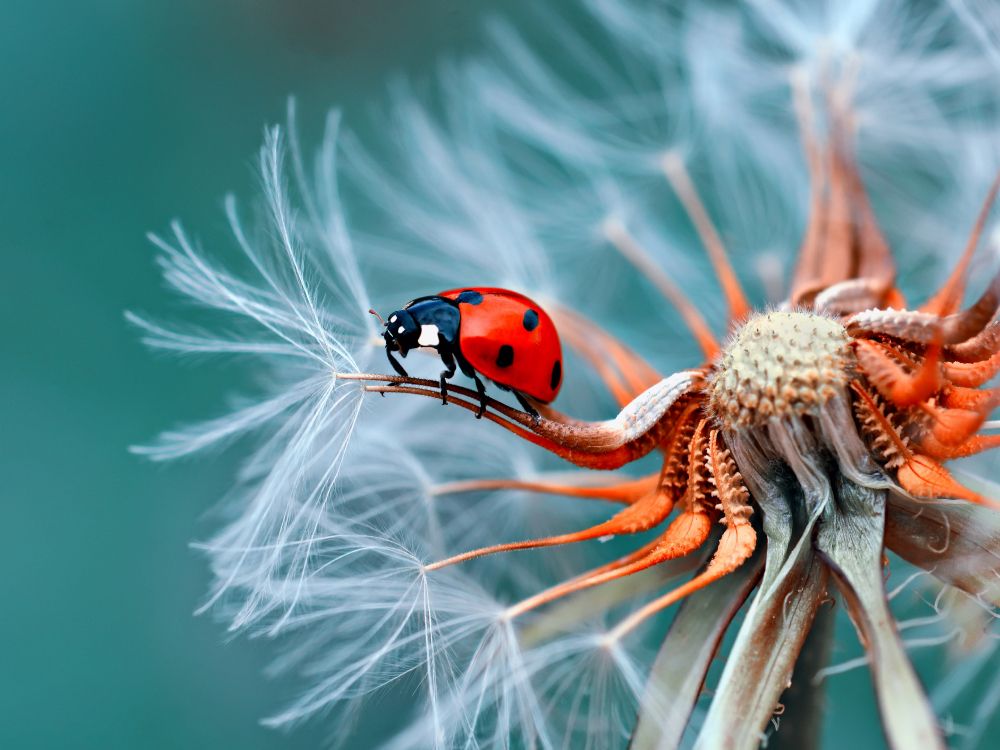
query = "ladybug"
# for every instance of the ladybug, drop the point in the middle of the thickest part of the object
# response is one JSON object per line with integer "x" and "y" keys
{"x": 496, "y": 333}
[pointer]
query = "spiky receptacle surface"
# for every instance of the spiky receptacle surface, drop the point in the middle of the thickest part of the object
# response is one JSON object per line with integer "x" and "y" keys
{"x": 779, "y": 364}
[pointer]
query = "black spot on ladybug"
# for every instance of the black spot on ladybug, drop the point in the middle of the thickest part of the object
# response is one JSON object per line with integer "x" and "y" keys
{"x": 506, "y": 356}
{"x": 530, "y": 320}
{"x": 470, "y": 297}
{"x": 556, "y": 375}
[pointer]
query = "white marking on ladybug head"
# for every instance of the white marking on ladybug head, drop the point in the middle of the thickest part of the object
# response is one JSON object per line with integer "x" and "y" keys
{"x": 400, "y": 329}
{"x": 429, "y": 335}
{"x": 392, "y": 318}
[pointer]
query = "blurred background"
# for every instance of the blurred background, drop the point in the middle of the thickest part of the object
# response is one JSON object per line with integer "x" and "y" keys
{"x": 116, "y": 117}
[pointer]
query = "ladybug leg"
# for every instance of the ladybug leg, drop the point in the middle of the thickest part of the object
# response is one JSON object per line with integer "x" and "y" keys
{"x": 444, "y": 386}
{"x": 481, "y": 390}
{"x": 400, "y": 370}
{"x": 447, "y": 373}
{"x": 526, "y": 405}
{"x": 470, "y": 372}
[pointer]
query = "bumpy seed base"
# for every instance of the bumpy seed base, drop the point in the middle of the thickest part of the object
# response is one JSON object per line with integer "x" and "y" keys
{"x": 779, "y": 364}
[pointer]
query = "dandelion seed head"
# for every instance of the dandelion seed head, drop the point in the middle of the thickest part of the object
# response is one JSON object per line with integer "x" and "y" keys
{"x": 779, "y": 364}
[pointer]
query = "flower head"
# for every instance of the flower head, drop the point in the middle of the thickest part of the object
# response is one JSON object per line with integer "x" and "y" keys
{"x": 781, "y": 447}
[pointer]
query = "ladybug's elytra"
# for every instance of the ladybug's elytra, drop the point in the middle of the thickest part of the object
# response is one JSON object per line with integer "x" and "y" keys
{"x": 496, "y": 333}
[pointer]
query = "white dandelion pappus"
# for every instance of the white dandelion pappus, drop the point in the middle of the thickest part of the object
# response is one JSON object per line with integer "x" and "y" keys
{"x": 309, "y": 414}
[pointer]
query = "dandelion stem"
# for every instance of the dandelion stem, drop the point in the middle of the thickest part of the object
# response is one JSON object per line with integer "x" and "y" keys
{"x": 777, "y": 623}
{"x": 851, "y": 542}
{"x": 678, "y": 674}
{"x": 804, "y": 701}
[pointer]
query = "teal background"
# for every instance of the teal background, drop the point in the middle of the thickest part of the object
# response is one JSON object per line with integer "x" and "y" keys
{"x": 117, "y": 116}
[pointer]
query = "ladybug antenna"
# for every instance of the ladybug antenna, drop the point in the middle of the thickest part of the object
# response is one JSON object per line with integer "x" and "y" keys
{"x": 372, "y": 311}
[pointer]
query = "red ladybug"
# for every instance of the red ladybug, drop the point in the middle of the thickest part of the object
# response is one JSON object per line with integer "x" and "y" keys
{"x": 497, "y": 333}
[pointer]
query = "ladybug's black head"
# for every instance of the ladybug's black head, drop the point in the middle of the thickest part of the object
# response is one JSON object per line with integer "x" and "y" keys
{"x": 401, "y": 332}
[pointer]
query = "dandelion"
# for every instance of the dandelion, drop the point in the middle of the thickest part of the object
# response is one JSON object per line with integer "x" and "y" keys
{"x": 780, "y": 449}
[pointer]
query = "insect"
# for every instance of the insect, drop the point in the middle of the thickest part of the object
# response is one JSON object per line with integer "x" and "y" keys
{"x": 496, "y": 333}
